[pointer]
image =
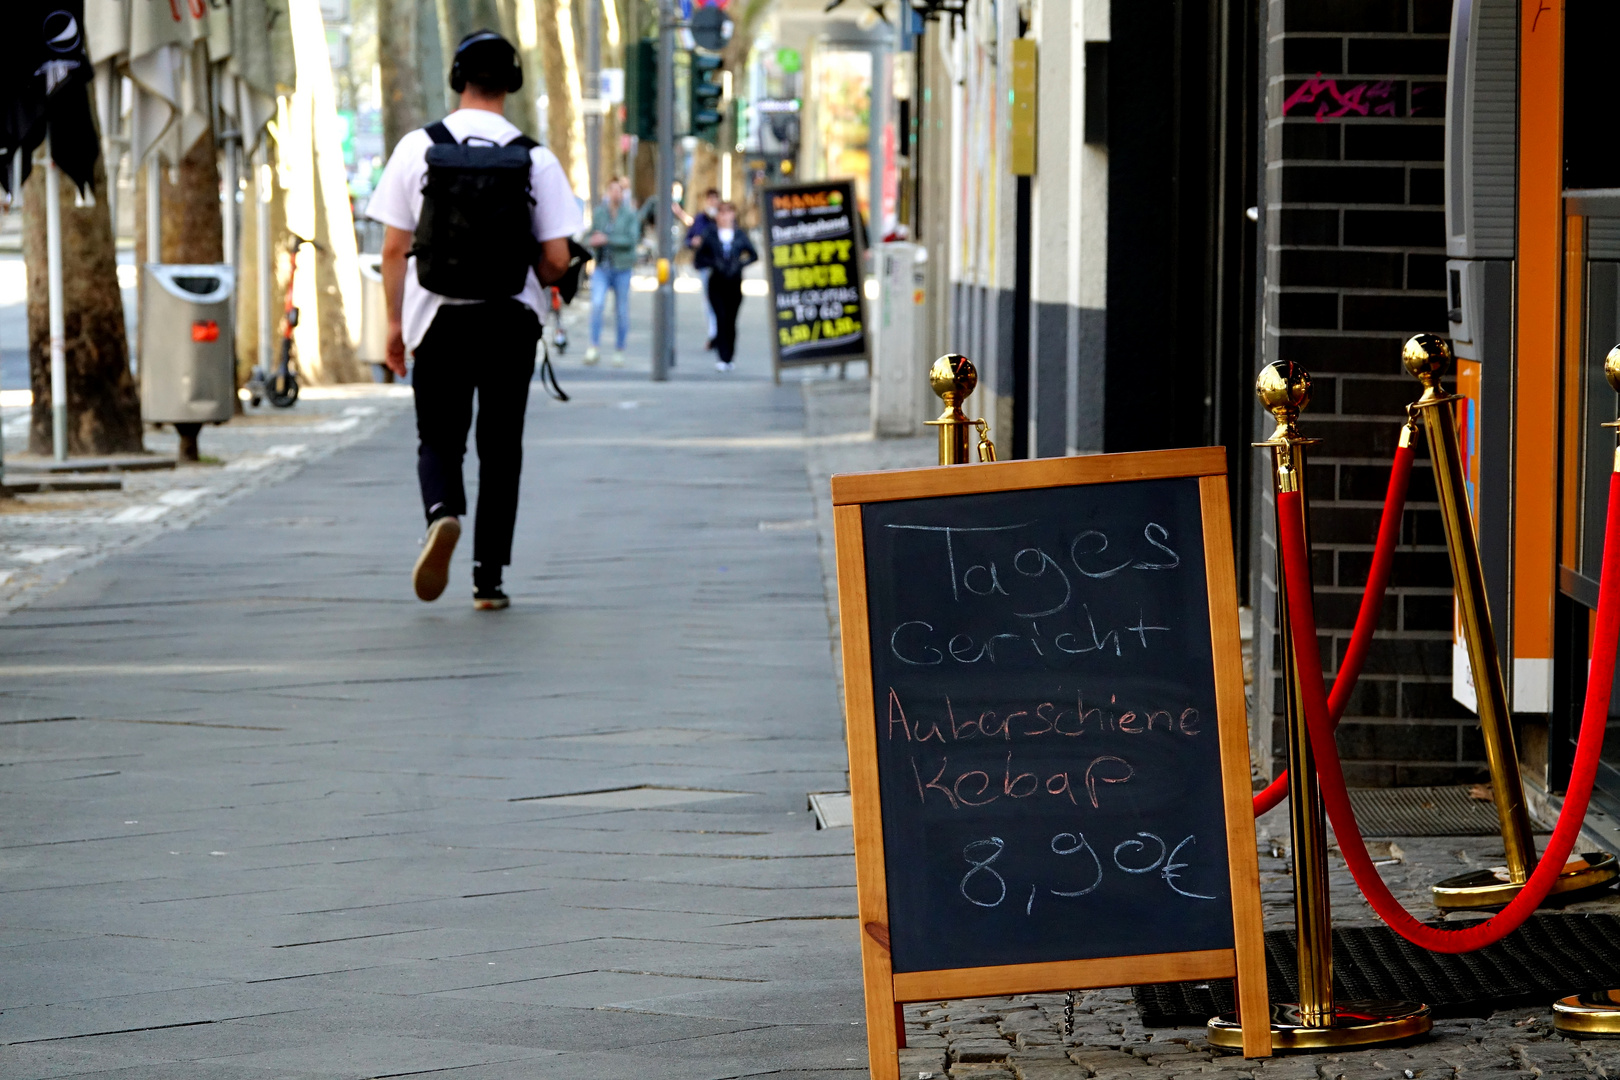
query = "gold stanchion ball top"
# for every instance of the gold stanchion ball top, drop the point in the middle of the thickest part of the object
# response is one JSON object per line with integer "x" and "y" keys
{"x": 953, "y": 373}
{"x": 1611, "y": 367}
{"x": 1426, "y": 357}
{"x": 1283, "y": 385}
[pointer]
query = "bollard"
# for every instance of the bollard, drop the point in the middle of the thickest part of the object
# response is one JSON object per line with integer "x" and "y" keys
{"x": 1316, "y": 1021}
{"x": 953, "y": 378}
{"x": 1595, "y": 1012}
{"x": 1426, "y": 357}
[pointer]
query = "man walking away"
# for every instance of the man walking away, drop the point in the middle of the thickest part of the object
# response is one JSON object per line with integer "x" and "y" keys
{"x": 729, "y": 251}
{"x": 478, "y": 217}
{"x": 615, "y": 233}
{"x": 703, "y": 224}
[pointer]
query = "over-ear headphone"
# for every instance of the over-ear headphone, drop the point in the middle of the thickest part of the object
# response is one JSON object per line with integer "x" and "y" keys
{"x": 514, "y": 75}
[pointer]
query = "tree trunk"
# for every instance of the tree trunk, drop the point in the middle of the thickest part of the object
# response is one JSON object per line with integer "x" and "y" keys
{"x": 104, "y": 409}
{"x": 404, "y": 97}
{"x": 435, "y": 13}
{"x": 191, "y": 221}
{"x": 565, "y": 126}
{"x": 644, "y": 170}
{"x": 519, "y": 106}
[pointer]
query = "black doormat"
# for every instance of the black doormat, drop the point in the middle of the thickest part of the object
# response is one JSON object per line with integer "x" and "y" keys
{"x": 1548, "y": 957}
{"x": 1424, "y": 811}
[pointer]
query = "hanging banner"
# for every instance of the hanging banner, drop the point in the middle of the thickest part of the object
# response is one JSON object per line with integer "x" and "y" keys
{"x": 43, "y": 70}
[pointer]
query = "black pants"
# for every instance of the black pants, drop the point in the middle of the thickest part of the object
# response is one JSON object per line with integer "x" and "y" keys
{"x": 486, "y": 348}
{"x": 725, "y": 297}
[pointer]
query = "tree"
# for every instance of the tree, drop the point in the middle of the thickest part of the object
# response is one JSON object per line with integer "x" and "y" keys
{"x": 559, "y": 56}
{"x": 405, "y": 99}
{"x": 190, "y": 213}
{"x": 104, "y": 409}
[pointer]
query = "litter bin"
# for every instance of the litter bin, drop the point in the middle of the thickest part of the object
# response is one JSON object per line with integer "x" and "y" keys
{"x": 374, "y": 318}
{"x": 188, "y": 348}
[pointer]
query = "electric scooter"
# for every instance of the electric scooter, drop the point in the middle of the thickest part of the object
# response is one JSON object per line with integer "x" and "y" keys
{"x": 281, "y": 385}
{"x": 559, "y": 336}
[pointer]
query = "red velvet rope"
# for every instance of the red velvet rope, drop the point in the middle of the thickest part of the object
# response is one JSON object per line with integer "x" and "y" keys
{"x": 1600, "y": 683}
{"x": 1372, "y": 599}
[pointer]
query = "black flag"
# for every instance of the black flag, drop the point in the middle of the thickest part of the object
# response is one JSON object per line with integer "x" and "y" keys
{"x": 44, "y": 71}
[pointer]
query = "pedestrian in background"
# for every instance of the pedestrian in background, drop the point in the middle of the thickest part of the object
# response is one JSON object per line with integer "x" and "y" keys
{"x": 464, "y": 294}
{"x": 729, "y": 251}
{"x": 702, "y": 224}
{"x": 615, "y": 234}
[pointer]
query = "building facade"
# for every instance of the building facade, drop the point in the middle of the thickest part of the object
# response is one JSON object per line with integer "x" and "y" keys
{"x": 1217, "y": 186}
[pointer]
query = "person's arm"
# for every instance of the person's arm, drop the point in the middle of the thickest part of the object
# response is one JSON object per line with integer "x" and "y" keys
{"x": 395, "y": 251}
{"x": 598, "y": 236}
{"x": 553, "y": 260}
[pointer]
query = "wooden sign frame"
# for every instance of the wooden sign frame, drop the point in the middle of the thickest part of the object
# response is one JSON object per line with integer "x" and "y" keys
{"x": 887, "y": 990}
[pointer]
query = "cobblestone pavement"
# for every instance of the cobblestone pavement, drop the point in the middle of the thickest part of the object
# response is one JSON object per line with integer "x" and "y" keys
{"x": 1021, "y": 1038}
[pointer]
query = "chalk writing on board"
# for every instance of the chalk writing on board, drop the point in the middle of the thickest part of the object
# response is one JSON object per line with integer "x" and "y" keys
{"x": 1084, "y": 552}
{"x": 983, "y": 886}
{"x": 1032, "y": 720}
{"x": 982, "y": 789}
{"x": 1045, "y": 726}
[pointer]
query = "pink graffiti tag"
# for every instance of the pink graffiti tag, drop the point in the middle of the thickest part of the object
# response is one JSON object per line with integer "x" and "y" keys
{"x": 1358, "y": 99}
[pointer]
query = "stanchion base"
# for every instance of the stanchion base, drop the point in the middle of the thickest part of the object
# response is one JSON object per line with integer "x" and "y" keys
{"x": 1355, "y": 1023}
{"x": 1594, "y": 1013}
{"x": 1493, "y": 888}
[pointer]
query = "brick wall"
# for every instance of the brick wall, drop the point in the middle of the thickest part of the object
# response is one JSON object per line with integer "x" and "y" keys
{"x": 1355, "y": 262}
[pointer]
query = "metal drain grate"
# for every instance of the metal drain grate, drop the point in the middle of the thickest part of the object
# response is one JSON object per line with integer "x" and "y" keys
{"x": 1423, "y": 811}
{"x": 1548, "y": 957}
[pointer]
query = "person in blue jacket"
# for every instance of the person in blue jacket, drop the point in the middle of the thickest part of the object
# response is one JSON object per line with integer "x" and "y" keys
{"x": 728, "y": 252}
{"x": 701, "y": 226}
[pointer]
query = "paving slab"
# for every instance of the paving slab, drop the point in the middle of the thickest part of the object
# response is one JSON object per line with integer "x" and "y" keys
{"x": 266, "y": 815}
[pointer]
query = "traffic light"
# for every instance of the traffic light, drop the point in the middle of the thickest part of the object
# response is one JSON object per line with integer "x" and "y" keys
{"x": 706, "y": 91}
{"x": 641, "y": 90}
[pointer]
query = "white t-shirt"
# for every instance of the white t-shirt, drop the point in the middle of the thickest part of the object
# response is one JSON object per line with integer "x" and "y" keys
{"x": 397, "y": 201}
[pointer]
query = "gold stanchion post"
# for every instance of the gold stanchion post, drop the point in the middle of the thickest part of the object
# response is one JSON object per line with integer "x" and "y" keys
{"x": 1596, "y": 1012}
{"x": 953, "y": 378}
{"x": 1316, "y": 1021}
{"x": 1426, "y": 357}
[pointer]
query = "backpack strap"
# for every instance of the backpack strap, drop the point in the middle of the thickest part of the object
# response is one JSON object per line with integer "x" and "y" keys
{"x": 439, "y": 133}
{"x": 527, "y": 144}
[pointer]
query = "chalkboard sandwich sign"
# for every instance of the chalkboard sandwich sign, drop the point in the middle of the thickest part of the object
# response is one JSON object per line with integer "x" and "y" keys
{"x": 1047, "y": 737}
{"x": 818, "y": 308}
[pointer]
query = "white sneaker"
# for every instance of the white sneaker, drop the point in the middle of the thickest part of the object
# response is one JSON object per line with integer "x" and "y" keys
{"x": 432, "y": 570}
{"x": 721, "y": 365}
{"x": 592, "y": 355}
{"x": 618, "y": 358}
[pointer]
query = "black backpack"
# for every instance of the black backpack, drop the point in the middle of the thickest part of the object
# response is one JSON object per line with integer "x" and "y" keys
{"x": 475, "y": 239}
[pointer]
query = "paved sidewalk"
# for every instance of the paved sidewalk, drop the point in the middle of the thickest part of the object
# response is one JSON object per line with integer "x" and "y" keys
{"x": 266, "y": 815}
{"x": 263, "y": 816}
{"x": 45, "y": 538}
